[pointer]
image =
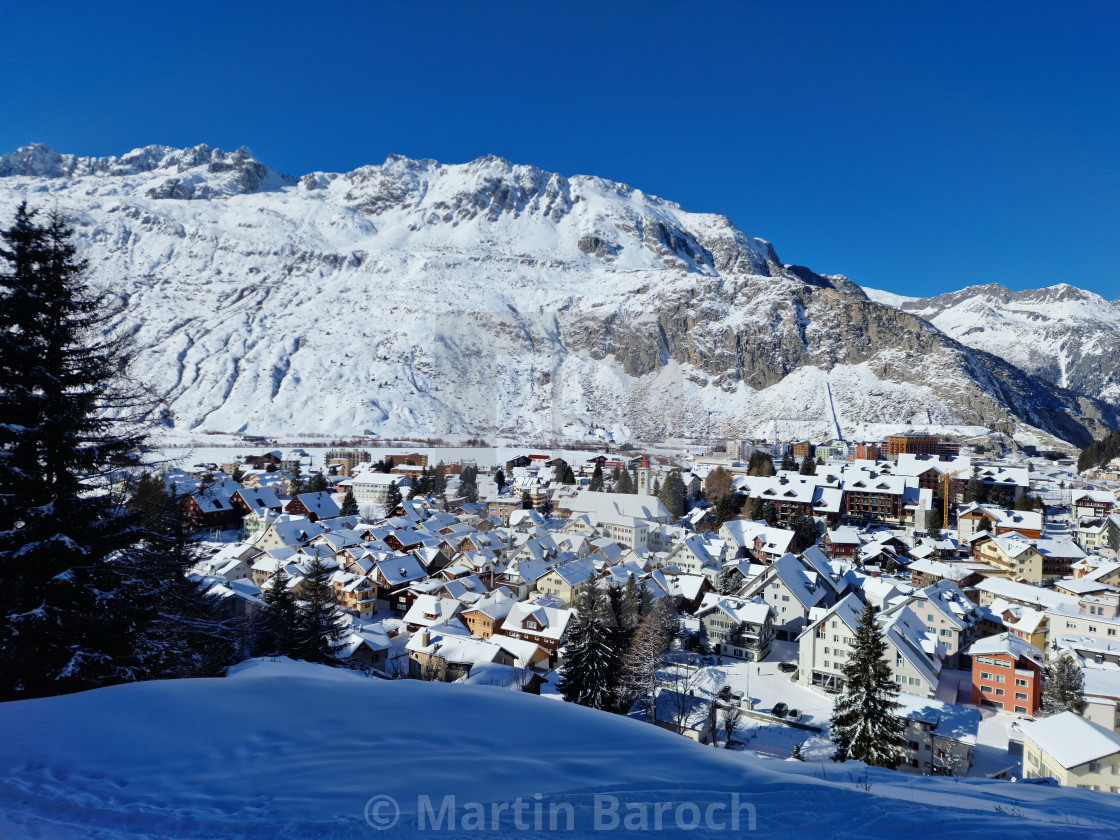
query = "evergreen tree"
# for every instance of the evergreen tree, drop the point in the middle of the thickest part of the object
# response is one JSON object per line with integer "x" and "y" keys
{"x": 669, "y": 618}
{"x": 500, "y": 480}
{"x": 631, "y": 613}
{"x": 185, "y": 634}
{"x": 317, "y": 483}
{"x": 69, "y": 606}
{"x": 657, "y": 487}
{"x": 617, "y": 474}
{"x": 985, "y": 524}
{"x": 729, "y": 580}
{"x": 805, "y": 528}
{"x": 768, "y": 513}
{"x": 625, "y": 483}
{"x": 864, "y": 724}
{"x": 591, "y": 670}
{"x": 796, "y": 752}
{"x": 674, "y": 494}
{"x": 393, "y": 498}
{"x": 567, "y": 475}
{"x": 1064, "y": 689}
{"x": 760, "y": 464}
{"x": 439, "y": 479}
{"x": 596, "y": 478}
{"x": 321, "y": 626}
{"x": 278, "y": 620}
{"x": 789, "y": 463}
{"x": 349, "y": 503}
{"x": 727, "y": 508}
{"x": 526, "y": 500}
{"x": 295, "y": 483}
{"x": 421, "y": 484}
{"x": 808, "y": 466}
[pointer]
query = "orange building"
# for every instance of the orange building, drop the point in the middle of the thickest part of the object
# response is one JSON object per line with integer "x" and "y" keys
{"x": 1007, "y": 674}
{"x": 912, "y": 444}
{"x": 867, "y": 452}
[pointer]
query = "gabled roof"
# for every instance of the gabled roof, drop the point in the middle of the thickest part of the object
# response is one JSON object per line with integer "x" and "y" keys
{"x": 739, "y": 610}
{"x": 1009, "y": 644}
{"x": 1071, "y": 740}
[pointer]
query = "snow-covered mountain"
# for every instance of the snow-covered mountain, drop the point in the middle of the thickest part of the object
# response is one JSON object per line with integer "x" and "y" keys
{"x": 488, "y": 298}
{"x": 294, "y": 750}
{"x": 1061, "y": 334}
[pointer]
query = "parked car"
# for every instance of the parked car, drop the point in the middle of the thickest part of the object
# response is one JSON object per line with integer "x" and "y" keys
{"x": 794, "y": 714}
{"x": 787, "y": 667}
{"x": 779, "y": 710}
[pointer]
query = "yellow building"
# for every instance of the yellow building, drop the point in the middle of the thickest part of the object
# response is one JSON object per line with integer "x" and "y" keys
{"x": 1073, "y": 751}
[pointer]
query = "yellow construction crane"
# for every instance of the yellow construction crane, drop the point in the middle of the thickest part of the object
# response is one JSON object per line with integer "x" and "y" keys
{"x": 946, "y": 481}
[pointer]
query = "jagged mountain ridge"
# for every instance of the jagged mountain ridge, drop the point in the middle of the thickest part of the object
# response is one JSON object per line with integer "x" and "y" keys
{"x": 489, "y": 297}
{"x": 1061, "y": 334}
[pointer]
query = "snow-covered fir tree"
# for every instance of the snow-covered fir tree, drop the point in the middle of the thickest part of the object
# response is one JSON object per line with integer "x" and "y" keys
{"x": 591, "y": 665}
{"x": 864, "y": 724}
{"x": 321, "y": 626}
{"x": 70, "y": 606}
{"x": 1064, "y": 688}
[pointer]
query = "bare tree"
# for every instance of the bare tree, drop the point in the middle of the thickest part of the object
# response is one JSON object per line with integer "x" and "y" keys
{"x": 729, "y": 722}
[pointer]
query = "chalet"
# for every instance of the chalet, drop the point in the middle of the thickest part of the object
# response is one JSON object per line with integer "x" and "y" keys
{"x": 738, "y": 628}
{"x": 567, "y": 580}
{"x": 447, "y": 657}
{"x": 841, "y": 543}
{"x": 1092, "y": 503}
{"x": 314, "y": 506}
{"x": 248, "y": 500}
{"x": 999, "y": 521}
{"x": 287, "y": 530}
{"x": 824, "y": 646}
{"x": 432, "y": 612}
{"x": 356, "y": 594}
{"x": 939, "y": 736}
{"x": 544, "y": 626}
{"x": 212, "y": 506}
{"x": 950, "y": 616}
{"x": 395, "y": 573}
{"x": 485, "y": 616}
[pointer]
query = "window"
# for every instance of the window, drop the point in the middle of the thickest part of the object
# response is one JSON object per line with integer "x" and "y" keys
{"x": 915, "y": 681}
{"x": 1022, "y": 710}
{"x": 1094, "y": 767}
{"x": 827, "y": 664}
{"x": 985, "y": 675}
{"x": 1000, "y": 678}
{"x": 914, "y": 745}
{"x": 1112, "y": 631}
{"x": 987, "y": 689}
{"x": 999, "y": 692}
{"x": 899, "y": 660}
{"x": 1020, "y": 681}
{"x": 826, "y": 650}
{"x": 1020, "y": 695}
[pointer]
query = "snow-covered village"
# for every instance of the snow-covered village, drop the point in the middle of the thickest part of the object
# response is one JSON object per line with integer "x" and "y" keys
{"x": 518, "y": 419}
{"x": 717, "y": 595}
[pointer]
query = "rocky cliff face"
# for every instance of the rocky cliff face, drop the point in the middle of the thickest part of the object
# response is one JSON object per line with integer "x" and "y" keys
{"x": 489, "y": 298}
{"x": 1063, "y": 335}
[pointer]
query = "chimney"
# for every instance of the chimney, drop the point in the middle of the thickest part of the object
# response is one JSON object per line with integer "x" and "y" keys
{"x": 426, "y": 637}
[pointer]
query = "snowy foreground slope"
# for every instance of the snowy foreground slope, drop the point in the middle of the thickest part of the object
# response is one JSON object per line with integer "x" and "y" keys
{"x": 493, "y": 298}
{"x": 291, "y": 750}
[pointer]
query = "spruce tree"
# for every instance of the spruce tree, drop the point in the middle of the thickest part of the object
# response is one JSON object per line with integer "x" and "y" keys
{"x": 625, "y": 483}
{"x": 864, "y": 725}
{"x": 526, "y": 500}
{"x": 278, "y": 620}
{"x": 789, "y": 463}
{"x": 674, "y": 494}
{"x": 185, "y": 633}
{"x": 393, "y": 498}
{"x": 321, "y": 625}
{"x": 349, "y": 503}
{"x": 590, "y": 673}
{"x": 596, "y": 478}
{"x": 500, "y": 480}
{"x": 631, "y": 614}
{"x": 68, "y": 614}
{"x": 808, "y": 466}
{"x": 295, "y": 482}
{"x": 1064, "y": 689}
{"x": 317, "y": 483}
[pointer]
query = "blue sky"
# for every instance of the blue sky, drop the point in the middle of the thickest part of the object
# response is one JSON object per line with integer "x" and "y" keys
{"x": 915, "y": 147}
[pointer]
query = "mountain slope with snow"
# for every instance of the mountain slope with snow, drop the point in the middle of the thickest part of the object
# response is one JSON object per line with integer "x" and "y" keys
{"x": 491, "y": 298}
{"x": 291, "y": 750}
{"x": 1061, "y": 334}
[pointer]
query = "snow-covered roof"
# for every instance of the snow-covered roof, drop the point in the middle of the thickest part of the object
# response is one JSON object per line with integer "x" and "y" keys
{"x": 1006, "y": 643}
{"x": 1070, "y": 739}
{"x": 961, "y": 723}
